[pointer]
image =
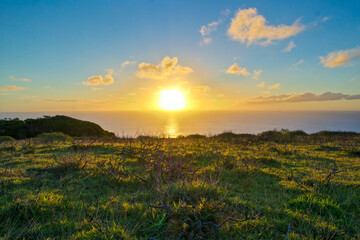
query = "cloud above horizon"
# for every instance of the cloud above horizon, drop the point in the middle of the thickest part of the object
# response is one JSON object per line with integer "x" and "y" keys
{"x": 166, "y": 68}
{"x": 289, "y": 47}
{"x": 207, "y": 29}
{"x": 205, "y": 41}
{"x": 99, "y": 80}
{"x": 304, "y": 97}
{"x": 297, "y": 64}
{"x": 11, "y": 88}
{"x": 19, "y": 79}
{"x": 339, "y": 58}
{"x": 126, "y": 63}
{"x": 325, "y": 19}
{"x": 256, "y": 74}
{"x": 261, "y": 85}
{"x": 275, "y": 86}
{"x": 236, "y": 70}
{"x": 252, "y": 28}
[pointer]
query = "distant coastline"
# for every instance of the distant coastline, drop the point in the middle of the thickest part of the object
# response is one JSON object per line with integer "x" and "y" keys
{"x": 134, "y": 123}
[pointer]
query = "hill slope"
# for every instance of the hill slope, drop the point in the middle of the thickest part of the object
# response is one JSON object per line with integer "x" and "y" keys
{"x": 31, "y": 127}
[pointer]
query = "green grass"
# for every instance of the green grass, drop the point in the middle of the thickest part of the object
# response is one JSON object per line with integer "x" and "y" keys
{"x": 227, "y": 187}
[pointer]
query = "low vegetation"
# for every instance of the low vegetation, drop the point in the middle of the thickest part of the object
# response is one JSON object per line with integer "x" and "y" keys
{"x": 275, "y": 185}
{"x": 6, "y": 139}
{"x": 28, "y": 128}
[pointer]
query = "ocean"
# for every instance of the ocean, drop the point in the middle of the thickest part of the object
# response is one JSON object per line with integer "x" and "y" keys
{"x": 173, "y": 124}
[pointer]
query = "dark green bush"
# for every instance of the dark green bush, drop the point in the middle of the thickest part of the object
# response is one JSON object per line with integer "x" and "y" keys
{"x": 29, "y": 149}
{"x": 272, "y": 135}
{"x": 335, "y": 134}
{"x": 195, "y": 136}
{"x": 70, "y": 126}
{"x": 19, "y": 129}
{"x": 227, "y": 135}
{"x": 48, "y": 138}
{"x": 6, "y": 139}
{"x": 14, "y": 128}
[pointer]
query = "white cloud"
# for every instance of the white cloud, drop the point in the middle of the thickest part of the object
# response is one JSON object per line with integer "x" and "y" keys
{"x": 11, "y": 88}
{"x": 339, "y": 58}
{"x": 205, "y": 41}
{"x": 275, "y": 86}
{"x": 225, "y": 12}
{"x": 325, "y": 19}
{"x": 304, "y": 97}
{"x": 261, "y": 85}
{"x": 99, "y": 80}
{"x": 249, "y": 27}
{"x": 126, "y": 63}
{"x": 19, "y": 79}
{"x": 289, "y": 47}
{"x": 296, "y": 65}
{"x": 256, "y": 74}
{"x": 166, "y": 68}
{"x": 320, "y": 20}
{"x": 236, "y": 70}
{"x": 207, "y": 29}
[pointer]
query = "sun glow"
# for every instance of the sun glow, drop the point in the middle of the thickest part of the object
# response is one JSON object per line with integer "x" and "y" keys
{"x": 172, "y": 99}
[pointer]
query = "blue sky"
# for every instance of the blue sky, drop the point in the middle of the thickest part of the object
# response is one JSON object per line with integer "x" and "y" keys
{"x": 50, "y": 51}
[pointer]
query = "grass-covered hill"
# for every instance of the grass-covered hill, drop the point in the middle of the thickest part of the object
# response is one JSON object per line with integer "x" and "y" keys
{"x": 31, "y": 127}
{"x": 231, "y": 186}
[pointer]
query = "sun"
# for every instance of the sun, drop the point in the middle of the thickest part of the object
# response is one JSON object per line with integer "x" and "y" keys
{"x": 172, "y": 99}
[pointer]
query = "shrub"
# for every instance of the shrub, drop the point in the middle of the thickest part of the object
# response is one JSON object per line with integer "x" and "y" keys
{"x": 70, "y": 126}
{"x": 297, "y": 133}
{"x": 71, "y": 161}
{"x": 15, "y": 128}
{"x": 29, "y": 149}
{"x": 49, "y": 138}
{"x": 227, "y": 134}
{"x": 8, "y": 149}
{"x": 335, "y": 133}
{"x": 195, "y": 136}
{"x": 272, "y": 135}
{"x": 227, "y": 162}
{"x": 6, "y": 139}
{"x": 146, "y": 137}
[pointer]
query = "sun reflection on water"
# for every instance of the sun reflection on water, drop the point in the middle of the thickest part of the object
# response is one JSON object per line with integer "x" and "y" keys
{"x": 171, "y": 128}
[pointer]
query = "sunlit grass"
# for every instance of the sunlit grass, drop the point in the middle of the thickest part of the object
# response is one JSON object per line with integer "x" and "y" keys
{"x": 183, "y": 188}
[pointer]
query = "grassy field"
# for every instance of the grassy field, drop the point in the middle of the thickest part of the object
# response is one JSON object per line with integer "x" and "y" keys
{"x": 225, "y": 187}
